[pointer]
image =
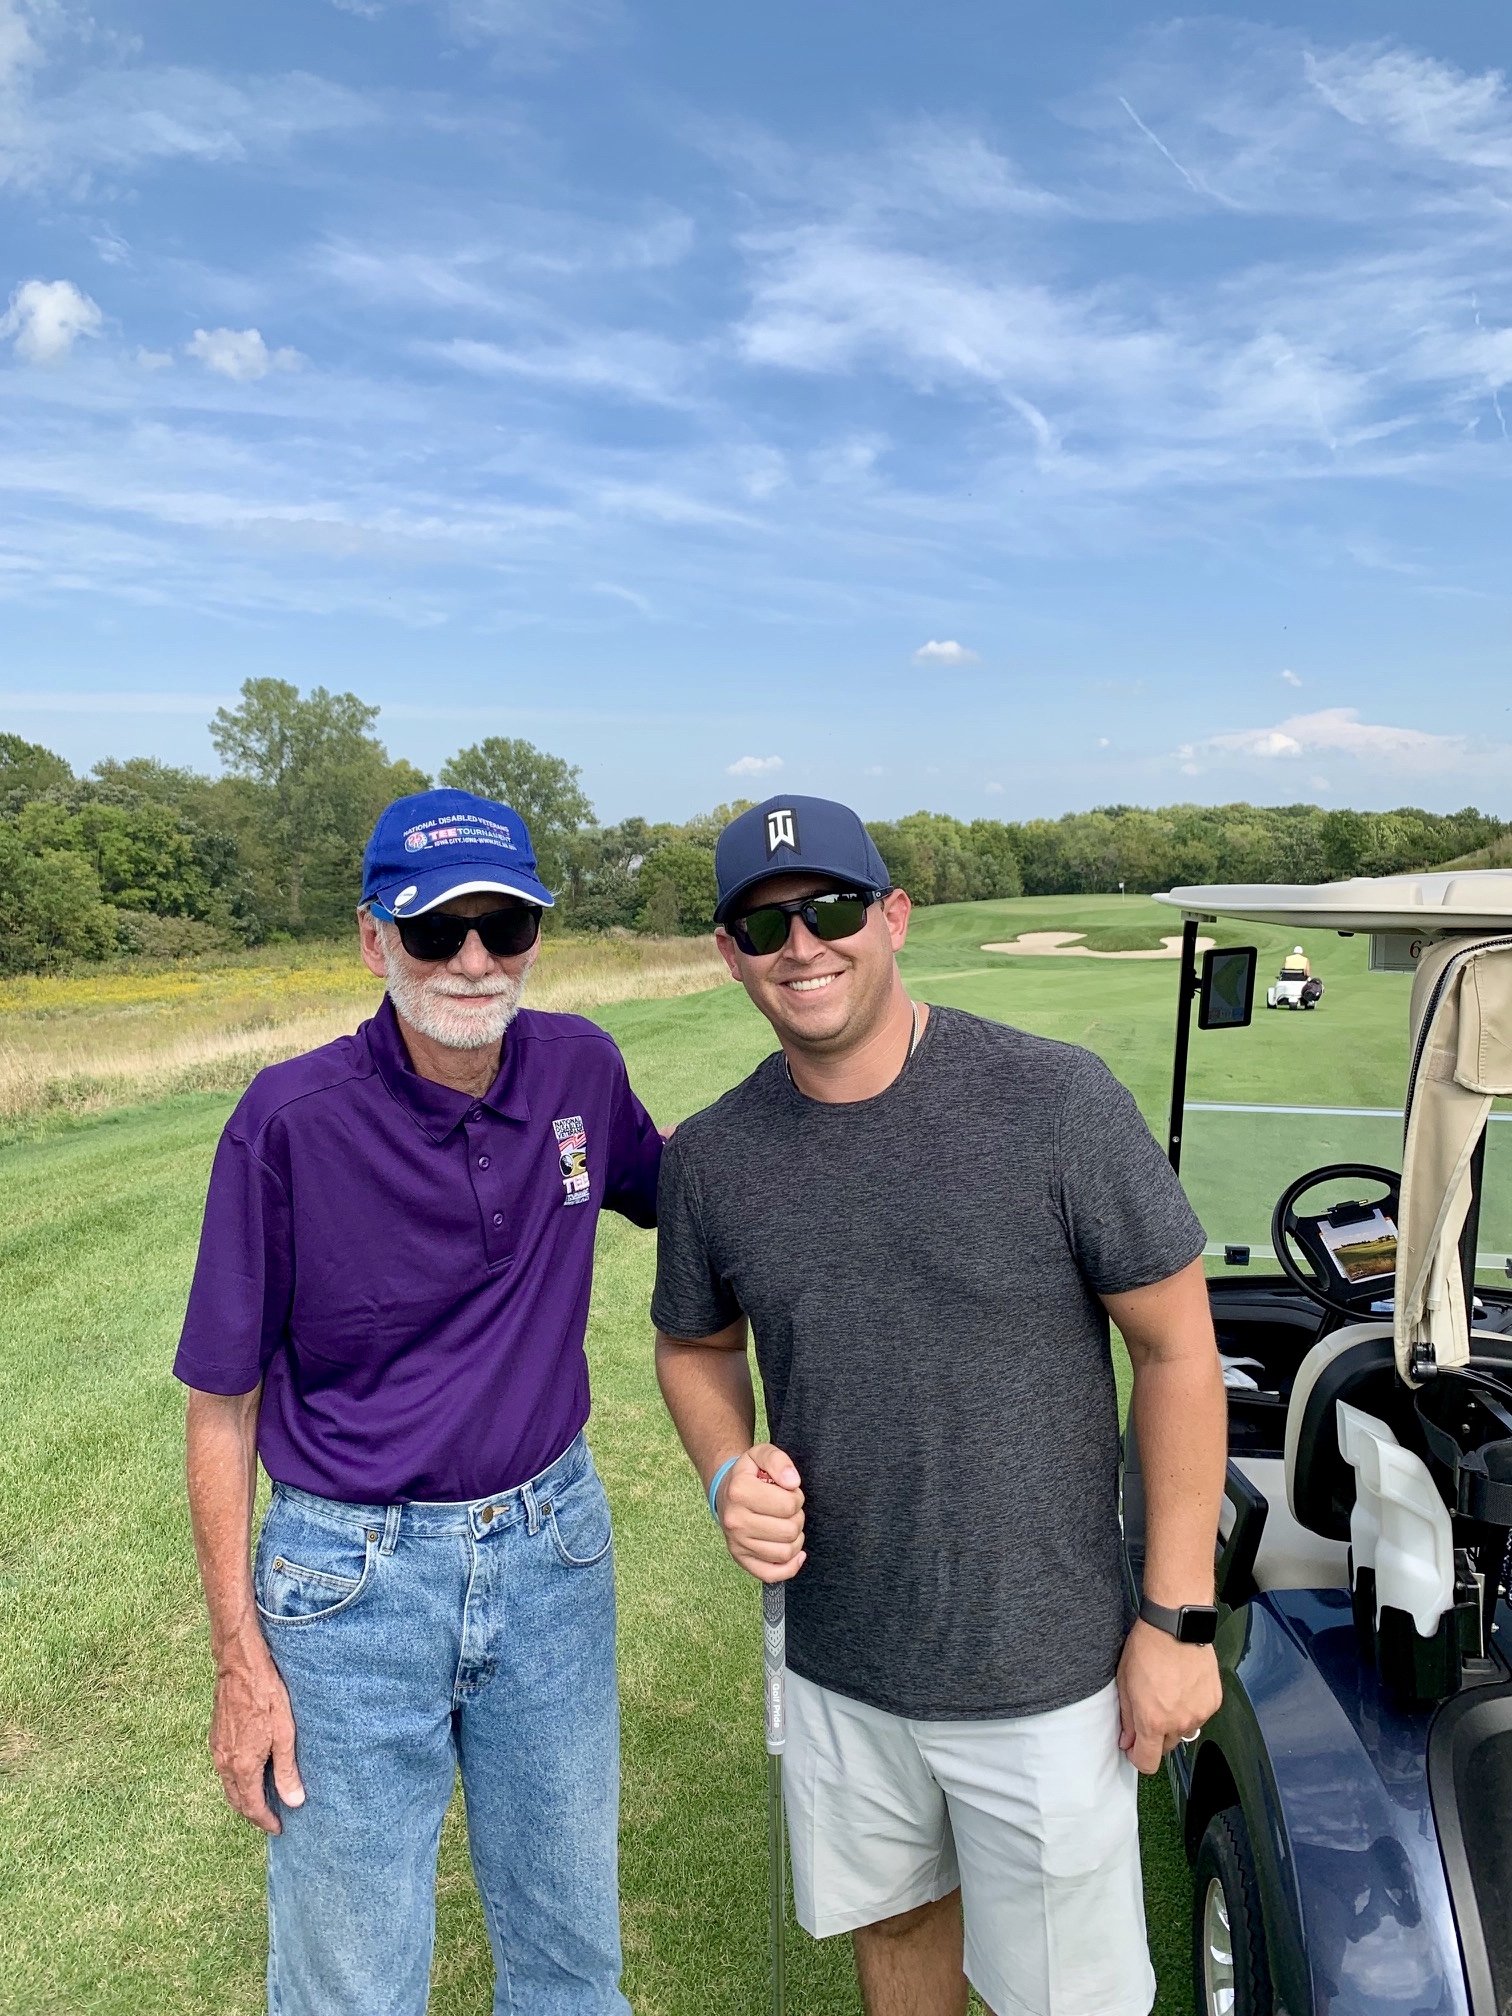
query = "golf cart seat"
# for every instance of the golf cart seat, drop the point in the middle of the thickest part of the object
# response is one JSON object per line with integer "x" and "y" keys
{"x": 1358, "y": 1366}
{"x": 1309, "y": 1492}
{"x": 1288, "y": 1556}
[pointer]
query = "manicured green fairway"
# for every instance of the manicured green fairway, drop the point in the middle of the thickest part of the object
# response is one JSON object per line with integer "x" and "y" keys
{"x": 126, "y": 1887}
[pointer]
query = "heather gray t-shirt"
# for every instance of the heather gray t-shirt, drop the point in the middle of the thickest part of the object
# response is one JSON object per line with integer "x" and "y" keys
{"x": 921, "y": 1273}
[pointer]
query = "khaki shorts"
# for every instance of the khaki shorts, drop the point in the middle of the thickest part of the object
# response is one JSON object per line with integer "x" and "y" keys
{"x": 1036, "y": 1820}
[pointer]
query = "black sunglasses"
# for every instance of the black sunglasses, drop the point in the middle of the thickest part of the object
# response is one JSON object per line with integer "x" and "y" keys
{"x": 441, "y": 934}
{"x": 837, "y": 913}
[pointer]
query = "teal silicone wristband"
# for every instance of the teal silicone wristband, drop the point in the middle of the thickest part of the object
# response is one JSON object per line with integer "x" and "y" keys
{"x": 714, "y": 1483}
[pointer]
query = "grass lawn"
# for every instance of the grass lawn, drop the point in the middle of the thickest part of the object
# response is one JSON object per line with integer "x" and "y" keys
{"x": 126, "y": 1886}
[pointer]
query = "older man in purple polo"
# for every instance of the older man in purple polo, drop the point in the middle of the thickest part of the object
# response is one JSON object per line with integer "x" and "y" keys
{"x": 389, "y": 1308}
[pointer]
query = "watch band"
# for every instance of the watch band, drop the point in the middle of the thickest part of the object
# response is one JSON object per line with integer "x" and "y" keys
{"x": 1192, "y": 1624}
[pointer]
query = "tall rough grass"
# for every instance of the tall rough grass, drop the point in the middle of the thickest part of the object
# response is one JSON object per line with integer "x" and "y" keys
{"x": 78, "y": 1044}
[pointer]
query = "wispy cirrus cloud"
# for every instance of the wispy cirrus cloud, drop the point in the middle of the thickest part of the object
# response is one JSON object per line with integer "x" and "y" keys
{"x": 128, "y": 118}
{"x": 1370, "y": 357}
{"x": 780, "y": 384}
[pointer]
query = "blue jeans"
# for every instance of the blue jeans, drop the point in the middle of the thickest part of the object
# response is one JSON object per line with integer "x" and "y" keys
{"x": 416, "y": 1640}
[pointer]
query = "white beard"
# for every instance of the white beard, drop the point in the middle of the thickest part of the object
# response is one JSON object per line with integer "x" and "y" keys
{"x": 459, "y": 1014}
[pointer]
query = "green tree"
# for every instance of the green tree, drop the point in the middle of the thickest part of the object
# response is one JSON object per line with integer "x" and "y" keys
{"x": 600, "y": 889}
{"x": 684, "y": 873}
{"x": 221, "y": 817}
{"x": 543, "y": 789}
{"x": 1345, "y": 838}
{"x": 938, "y": 859}
{"x": 26, "y": 769}
{"x": 52, "y": 907}
{"x": 320, "y": 779}
{"x": 143, "y": 855}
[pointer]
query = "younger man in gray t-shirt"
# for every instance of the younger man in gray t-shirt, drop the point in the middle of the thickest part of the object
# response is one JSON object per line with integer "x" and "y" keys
{"x": 926, "y": 1219}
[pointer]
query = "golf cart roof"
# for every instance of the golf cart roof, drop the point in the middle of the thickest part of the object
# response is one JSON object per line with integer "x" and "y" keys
{"x": 1464, "y": 900}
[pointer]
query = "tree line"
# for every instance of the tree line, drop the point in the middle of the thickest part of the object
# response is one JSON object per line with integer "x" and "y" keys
{"x": 141, "y": 857}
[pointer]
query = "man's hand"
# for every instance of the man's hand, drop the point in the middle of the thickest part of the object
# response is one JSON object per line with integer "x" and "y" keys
{"x": 761, "y": 1511}
{"x": 251, "y": 1723}
{"x": 1166, "y": 1691}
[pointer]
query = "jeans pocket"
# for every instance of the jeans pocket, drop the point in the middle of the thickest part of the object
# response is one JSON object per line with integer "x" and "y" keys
{"x": 306, "y": 1570}
{"x": 577, "y": 1519}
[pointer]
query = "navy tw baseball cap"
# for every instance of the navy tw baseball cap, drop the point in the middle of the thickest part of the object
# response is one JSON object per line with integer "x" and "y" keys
{"x": 794, "y": 836}
{"x": 447, "y": 843}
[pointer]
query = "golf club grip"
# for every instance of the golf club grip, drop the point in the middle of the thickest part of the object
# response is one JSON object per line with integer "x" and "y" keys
{"x": 774, "y": 1665}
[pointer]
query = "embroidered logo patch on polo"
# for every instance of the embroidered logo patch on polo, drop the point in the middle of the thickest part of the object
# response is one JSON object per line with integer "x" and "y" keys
{"x": 572, "y": 1157}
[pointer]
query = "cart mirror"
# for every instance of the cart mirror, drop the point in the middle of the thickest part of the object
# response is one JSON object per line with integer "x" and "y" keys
{"x": 1226, "y": 997}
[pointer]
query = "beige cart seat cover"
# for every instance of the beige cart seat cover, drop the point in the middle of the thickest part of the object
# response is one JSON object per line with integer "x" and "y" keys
{"x": 1462, "y": 1047}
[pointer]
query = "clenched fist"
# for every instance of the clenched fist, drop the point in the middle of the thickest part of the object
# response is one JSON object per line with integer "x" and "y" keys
{"x": 760, "y": 1508}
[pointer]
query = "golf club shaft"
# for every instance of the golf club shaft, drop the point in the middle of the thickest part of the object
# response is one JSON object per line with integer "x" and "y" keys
{"x": 774, "y": 1690}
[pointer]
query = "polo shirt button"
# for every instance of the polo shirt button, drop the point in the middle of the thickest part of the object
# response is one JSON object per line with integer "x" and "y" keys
{"x": 483, "y": 1161}
{"x": 476, "y": 1113}
{"x": 498, "y": 1217}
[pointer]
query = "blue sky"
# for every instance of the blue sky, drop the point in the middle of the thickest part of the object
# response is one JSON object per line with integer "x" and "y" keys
{"x": 1003, "y": 408}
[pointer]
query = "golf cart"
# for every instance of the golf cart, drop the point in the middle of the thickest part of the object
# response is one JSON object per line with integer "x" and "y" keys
{"x": 1348, "y": 1810}
{"x": 1294, "y": 986}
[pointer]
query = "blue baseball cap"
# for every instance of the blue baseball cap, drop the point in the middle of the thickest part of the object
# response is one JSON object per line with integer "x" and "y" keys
{"x": 795, "y": 836}
{"x": 447, "y": 843}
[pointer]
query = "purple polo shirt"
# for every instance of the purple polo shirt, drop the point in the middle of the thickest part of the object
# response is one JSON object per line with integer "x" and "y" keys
{"x": 407, "y": 1269}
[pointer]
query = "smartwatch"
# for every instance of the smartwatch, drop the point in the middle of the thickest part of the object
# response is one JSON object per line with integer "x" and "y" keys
{"x": 1192, "y": 1624}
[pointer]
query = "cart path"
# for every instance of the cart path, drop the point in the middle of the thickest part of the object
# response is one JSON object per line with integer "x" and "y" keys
{"x": 1063, "y": 945}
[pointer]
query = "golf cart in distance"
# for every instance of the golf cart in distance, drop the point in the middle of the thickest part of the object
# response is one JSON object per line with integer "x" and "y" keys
{"x": 1348, "y": 1810}
{"x": 1294, "y": 986}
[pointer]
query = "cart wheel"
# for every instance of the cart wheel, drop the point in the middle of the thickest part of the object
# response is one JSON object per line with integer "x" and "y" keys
{"x": 1231, "y": 1974}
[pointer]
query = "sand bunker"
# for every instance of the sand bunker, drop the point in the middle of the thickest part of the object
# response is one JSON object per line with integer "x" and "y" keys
{"x": 1063, "y": 945}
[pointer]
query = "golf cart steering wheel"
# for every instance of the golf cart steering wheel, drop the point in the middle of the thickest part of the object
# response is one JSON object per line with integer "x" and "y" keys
{"x": 1342, "y": 1276}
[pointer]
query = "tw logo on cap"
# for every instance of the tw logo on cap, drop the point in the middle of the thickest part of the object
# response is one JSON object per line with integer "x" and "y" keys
{"x": 781, "y": 830}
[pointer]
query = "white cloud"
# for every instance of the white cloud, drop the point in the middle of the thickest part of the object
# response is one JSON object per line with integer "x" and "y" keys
{"x": 1289, "y": 676}
{"x": 624, "y": 364}
{"x": 154, "y": 360}
{"x": 1205, "y": 114}
{"x": 994, "y": 790}
{"x": 18, "y": 47}
{"x": 46, "y": 318}
{"x": 122, "y": 116}
{"x": 754, "y": 766}
{"x": 1334, "y": 731}
{"x": 1417, "y": 103}
{"x": 1360, "y": 355}
{"x": 944, "y": 651}
{"x": 239, "y": 353}
{"x": 1103, "y": 741}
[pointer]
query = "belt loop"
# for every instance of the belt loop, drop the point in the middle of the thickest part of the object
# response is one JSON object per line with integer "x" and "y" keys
{"x": 532, "y": 1509}
{"x": 391, "y": 1522}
